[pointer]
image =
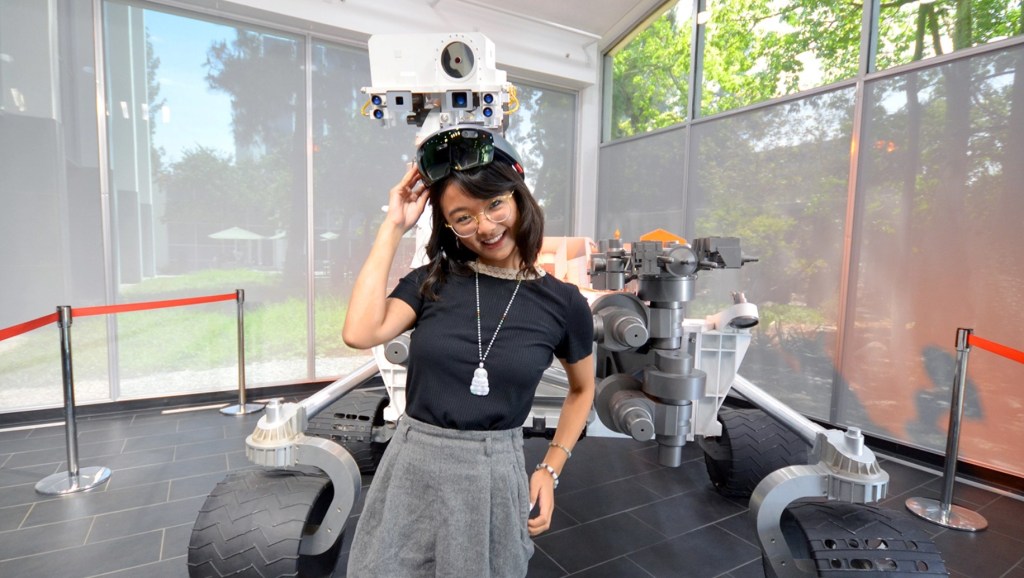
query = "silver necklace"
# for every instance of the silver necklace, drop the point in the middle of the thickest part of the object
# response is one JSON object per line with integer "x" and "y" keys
{"x": 479, "y": 385}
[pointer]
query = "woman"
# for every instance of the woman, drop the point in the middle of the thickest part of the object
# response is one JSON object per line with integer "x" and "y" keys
{"x": 451, "y": 495}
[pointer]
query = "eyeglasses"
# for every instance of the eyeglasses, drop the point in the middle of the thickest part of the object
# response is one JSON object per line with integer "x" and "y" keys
{"x": 458, "y": 150}
{"x": 466, "y": 224}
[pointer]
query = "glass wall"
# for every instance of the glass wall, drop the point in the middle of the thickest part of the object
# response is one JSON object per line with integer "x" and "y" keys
{"x": 912, "y": 31}
{"x": 641, "y": 185}
{"x": 756, "y": 51}
{"x": 939, "y": 232}
{"x": 885, "y": 211}
{"x": 208, "y": 189}
{"x": 751, "y": 51}
{"x": 650, "y": 76}
{"x": 776, "y": 178}
{"x": 355, "y": 164}
{"x": 238, "y": 159}
{"x": 541, "y": 131}
{"x": 51, "y": 244}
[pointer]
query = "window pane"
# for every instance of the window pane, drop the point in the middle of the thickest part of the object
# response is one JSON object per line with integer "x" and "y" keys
{"x": 356, "y": 161}
{"x": 640, "y": 186}
{"x": 51, "y": 244}
{"x": 918, "y": 30}
{"x": 776, "y": 178}
{"x": 543, "y": 132}
{"x": 941, "y": 202}
{"x": 756, "y": 51}
{"x": 208, "y": 195}
{"x": 651, "y": 76}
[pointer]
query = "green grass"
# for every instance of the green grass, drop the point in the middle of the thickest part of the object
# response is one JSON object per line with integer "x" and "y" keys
{"x": 209, "y": 281}
{"x": 194, "y": 337}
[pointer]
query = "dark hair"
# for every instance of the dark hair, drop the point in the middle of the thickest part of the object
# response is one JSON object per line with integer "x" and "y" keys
{"x": 497, "y": 178}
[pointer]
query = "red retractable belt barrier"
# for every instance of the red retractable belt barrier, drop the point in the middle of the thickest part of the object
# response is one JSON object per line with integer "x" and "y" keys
{"x": 27, "y": 326}
{"x": 126, "y": 307}
{"x": 998, "y": 349}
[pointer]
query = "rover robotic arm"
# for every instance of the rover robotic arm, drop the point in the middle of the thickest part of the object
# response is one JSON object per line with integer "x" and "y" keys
{"x": 654, "y": 366}
{"x": 645, "y": 359}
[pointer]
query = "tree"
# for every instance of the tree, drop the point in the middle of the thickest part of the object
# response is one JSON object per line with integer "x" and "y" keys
{"x": 263, "y": 74}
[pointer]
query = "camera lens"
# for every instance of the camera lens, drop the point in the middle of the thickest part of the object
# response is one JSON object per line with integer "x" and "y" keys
{"x": 457, "y": 60}
{"x": 488, "y": 98}
{"x": 460, "y": 99}
{"x": 488, "y": 112}
{"x": 378, "y": 113}
{"x": 376, "y": 100}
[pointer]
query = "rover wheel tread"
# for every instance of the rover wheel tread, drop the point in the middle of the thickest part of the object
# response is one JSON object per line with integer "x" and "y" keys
{"x": 843, "y": 539}
{"x": 351, "y": 422}
{"x": 252, "y": 524}
{"x": 752, "y": 445}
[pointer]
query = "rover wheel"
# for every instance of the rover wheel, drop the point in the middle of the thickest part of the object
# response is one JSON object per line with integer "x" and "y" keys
{"x": 356, "y": 422}
{"x": 841, "y": 539}
{"x": 253, "y": 522}
{"x": 752, "y": 445}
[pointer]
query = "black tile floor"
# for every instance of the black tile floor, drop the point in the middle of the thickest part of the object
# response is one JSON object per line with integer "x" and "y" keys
{"x": 619, "y": 514}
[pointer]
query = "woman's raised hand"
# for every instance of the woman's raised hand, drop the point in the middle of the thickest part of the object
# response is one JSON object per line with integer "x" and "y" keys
{"x": 407, "y": 199}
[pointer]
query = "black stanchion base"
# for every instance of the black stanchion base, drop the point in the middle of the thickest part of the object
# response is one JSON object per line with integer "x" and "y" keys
{"x": 65, "y": 483}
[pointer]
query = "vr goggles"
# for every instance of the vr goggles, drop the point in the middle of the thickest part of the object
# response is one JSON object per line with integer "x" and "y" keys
{"x": 460, "y": 149}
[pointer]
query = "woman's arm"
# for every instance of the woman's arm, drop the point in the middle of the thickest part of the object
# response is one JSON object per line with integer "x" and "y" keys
{"x": 372, "y": 318}
{"x": 573, "y": 419}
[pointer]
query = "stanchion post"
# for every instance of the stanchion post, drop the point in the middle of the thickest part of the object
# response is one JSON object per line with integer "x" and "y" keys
{"x": 74, "y": 479}
{"x": 242, "y": 408}
{"x": 943, "y": 512}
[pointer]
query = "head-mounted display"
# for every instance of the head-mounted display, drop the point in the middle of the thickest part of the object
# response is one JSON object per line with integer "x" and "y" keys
{"x": 460, "y": 149}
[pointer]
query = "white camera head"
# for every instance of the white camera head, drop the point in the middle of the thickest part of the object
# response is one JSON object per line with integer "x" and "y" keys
{"x": 436, "y": 81}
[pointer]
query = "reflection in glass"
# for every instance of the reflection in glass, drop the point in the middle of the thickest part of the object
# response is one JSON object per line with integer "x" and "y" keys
{"x": 912, "y": 31}
{"x": 355, "y": 163}
{"x": 641, "y": 186}
{"x": 940, "y": 198}
{"x": 208, "y": 195}
{"x": 543, "y": 132}
{"x": 755, "y": 52}
{"x": 775, "y": 178}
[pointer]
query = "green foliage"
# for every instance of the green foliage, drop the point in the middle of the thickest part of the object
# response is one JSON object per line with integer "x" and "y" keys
{"x": 756, "y": 50}
{"x": 546, "y": 153}
{"x": 777, "y": 314}
{"x": 651, "y": 77}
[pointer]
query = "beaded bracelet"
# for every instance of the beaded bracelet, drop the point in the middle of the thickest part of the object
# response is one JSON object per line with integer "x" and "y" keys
{"x": 551, "y": 470}
{"x": 555, "y": 444}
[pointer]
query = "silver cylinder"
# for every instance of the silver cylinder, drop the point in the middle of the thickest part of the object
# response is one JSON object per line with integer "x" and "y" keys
{"x": 956, "y": 413}
{"x": 240, "y": 314}
{"x": 70, "y": 425}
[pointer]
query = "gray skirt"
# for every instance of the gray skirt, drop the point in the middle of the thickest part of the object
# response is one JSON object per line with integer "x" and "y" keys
{"x": 445, "y": 503}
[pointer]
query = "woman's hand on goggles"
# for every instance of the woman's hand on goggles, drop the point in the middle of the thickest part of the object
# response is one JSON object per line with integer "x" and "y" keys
{"x": 407, "y": 199}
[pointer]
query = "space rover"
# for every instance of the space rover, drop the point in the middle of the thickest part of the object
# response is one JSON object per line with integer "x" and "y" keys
{"x": 661, "y": 377}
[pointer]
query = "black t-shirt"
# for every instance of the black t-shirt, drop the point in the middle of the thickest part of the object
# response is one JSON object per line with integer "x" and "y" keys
{"x": 549, "y": 318}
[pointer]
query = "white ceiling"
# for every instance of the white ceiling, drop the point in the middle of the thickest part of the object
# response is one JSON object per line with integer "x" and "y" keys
{"x": 606, "y": 20}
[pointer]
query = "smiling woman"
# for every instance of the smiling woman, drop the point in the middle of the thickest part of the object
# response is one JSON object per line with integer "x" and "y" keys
{"x": 468, "y": 392}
